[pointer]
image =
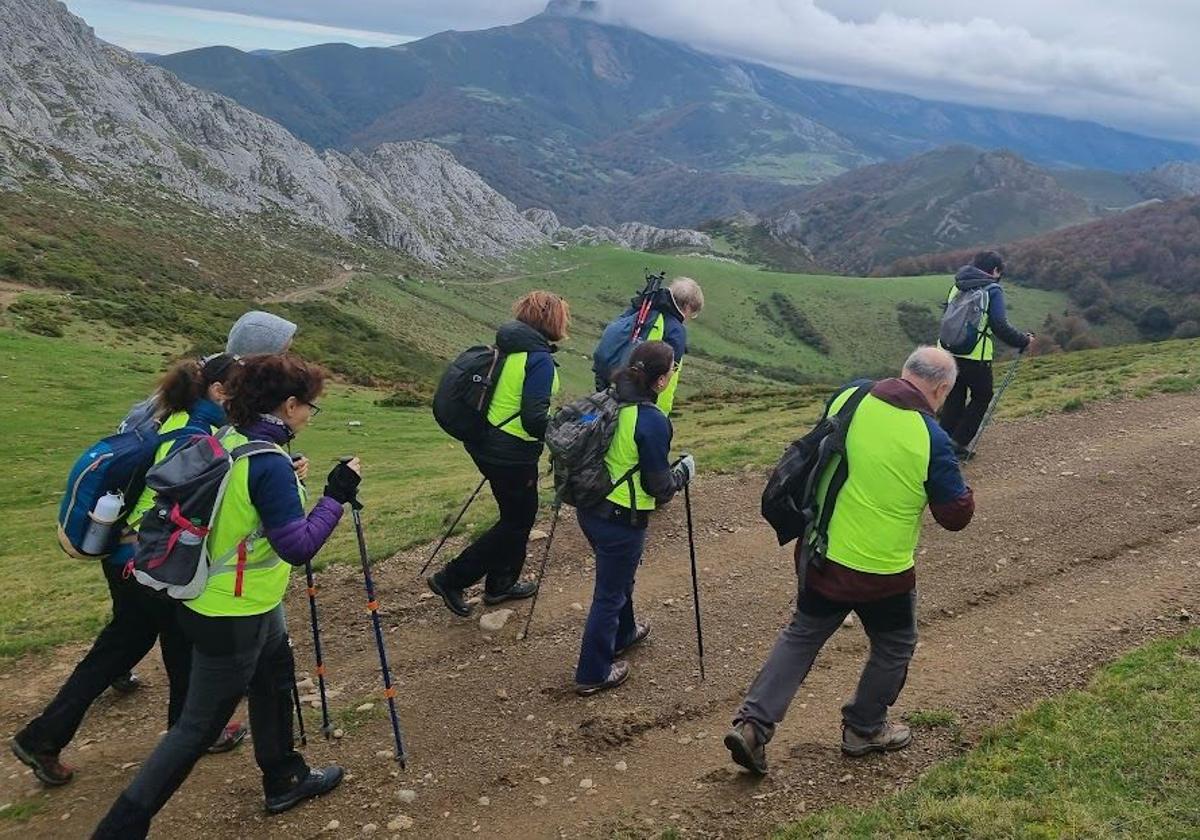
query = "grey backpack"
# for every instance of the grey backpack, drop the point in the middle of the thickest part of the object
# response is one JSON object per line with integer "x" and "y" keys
{"x": 962, "y": 322}
{"x": 172, "y": 553}
{"x": 578, "y": 438}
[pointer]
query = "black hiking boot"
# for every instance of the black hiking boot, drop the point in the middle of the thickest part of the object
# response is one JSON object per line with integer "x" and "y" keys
{"x": 127, "y": 683}
{"x": 46, "y": 766}
{"x": 453, "y": 598}
{"x": 746, "y": 749}
{"x": 125, "y": 820}
{"x": 616, "y": 675}
{"x": 640, "y": 633}
{"x": 317, "y": 783}
{"x": 518, "y": 591}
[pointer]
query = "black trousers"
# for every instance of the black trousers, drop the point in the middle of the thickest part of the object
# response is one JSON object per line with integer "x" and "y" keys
{"x": 138, "y": 619}
{"x": 499, "y": 554}
{"x": 237, "y": 657}
{"x": 960, "y": 417}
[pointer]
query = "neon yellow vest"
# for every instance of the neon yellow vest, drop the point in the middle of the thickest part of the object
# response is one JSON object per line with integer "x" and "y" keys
{"x": 666, "y": 400}
{"x": 506, "y": 398}
{"x": 621, "y": 458}
{"x": 985, "y": 348}
{"x": 242, "y": 585}
{"x": 877, "y": 515}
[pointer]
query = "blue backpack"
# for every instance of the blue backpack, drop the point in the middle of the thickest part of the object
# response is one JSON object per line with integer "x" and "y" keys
{"x": 115, "y": 465}
{"x": 625, "y": 333}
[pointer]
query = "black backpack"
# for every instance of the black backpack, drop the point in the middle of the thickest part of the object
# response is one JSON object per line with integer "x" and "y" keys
{"x": 789, "y": 500}
{"x": 578, "y": 438}
{"x": 460, "y": 404}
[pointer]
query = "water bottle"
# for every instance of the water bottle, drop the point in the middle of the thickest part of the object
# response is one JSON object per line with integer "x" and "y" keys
{"x": 104, "y": 516}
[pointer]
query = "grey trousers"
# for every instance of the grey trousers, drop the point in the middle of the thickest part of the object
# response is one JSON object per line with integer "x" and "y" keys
{"x": 891, "y": 626}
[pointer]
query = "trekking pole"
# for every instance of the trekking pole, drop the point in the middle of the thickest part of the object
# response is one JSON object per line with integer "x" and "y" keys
{"x": 299, "y": 708}
{"x": 542, "y": 571}
{"x": 687, "y": 505}
{"x": 326, "y": 728}
{"x": 373, "y": 607}
{"x": 991, "y": 409}
{"x": 453, "y": 525}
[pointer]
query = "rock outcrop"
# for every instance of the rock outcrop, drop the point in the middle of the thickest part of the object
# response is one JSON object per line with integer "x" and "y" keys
{"x": 79, "y": 111}
{"x": 633, "y": 235}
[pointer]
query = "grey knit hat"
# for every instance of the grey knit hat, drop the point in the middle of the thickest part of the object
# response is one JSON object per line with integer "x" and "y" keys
{"x": 260, "y": 332}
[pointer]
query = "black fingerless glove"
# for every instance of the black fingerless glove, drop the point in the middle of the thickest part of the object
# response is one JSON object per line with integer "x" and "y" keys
{"x": 342, "y": 484}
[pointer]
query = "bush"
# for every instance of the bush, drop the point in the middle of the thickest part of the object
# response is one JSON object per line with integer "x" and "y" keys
{"x": 917, "y": 321}
{"x": 40, "y": 316}
{"x": 780, "y": 310}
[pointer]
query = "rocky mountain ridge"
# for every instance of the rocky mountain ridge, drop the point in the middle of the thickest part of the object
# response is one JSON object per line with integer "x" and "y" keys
{"x": 78, "y": 111}
{"x": 635, "y": 236}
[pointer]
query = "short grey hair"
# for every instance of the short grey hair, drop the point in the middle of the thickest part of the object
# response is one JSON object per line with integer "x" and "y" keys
{"x": 687, "y": 294}
{"x": 933, "y": 365}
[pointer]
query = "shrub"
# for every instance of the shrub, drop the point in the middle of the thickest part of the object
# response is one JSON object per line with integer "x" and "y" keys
{"x": 779, "y": 309}
{"x": 917, "y": 321}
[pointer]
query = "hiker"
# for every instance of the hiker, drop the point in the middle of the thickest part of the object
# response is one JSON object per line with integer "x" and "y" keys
{"x": 900, "y": 460}
{"x": 637, "y": 462}
{"x": 961, "y": 418}
{"x": 670, "y": 311}
{"x": 190, "y": 396}
{"x": 508, "y": 452}
{"x": 254, "y": 332}
{"x": 239, "y": 640}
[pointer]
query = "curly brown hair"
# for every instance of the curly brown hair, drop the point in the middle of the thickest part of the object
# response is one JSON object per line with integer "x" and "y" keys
{"x": 546, "y": 312}
{"x": 260, "y": 383}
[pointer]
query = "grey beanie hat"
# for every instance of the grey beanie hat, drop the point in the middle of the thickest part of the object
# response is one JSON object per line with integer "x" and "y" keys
{"x": 260, "y": 332}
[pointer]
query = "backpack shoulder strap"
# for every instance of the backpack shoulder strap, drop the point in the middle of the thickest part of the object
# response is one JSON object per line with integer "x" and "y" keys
{"x": 834, "y": 443}
{"x": 255, "y": 447}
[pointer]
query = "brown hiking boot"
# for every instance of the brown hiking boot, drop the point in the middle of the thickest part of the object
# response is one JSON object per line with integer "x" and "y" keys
{"x": 893, "y": 736}
{"x": 46, "y": 766}
{"x": 746, "y": 749}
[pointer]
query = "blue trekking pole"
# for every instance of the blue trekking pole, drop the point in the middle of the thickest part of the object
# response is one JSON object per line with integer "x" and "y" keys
{"x": 373, "y": 607}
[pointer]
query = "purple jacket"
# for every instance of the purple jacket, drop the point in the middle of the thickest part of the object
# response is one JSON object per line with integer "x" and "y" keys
{"x": 295, "y": 537}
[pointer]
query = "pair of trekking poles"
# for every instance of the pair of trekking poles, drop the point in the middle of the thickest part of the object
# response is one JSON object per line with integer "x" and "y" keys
{"x": 389, "y": 690}
{"x": 991, "y": 409}
{"x": 687, "y": 501}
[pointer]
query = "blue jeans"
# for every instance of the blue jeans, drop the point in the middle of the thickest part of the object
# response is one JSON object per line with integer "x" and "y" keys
{"x": 610, "y": 623}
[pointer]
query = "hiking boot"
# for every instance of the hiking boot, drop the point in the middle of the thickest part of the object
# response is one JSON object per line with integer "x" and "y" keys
{"x": 317, "y": 783}
{"x": 46, "y": 766}
{"x": 746, "y": 749}
{"x": 453, "y": 598}
{"x": 961, "y": 452}
{"x": 641, "y": 631}
{"x": 893, "y": 736}
{"x": 125, "y": 820}
{"x": 127, "y": 683}
{"x": 518, "y": 591}
{"x": 616, "y": 675}
{"x": 230, "y": 737}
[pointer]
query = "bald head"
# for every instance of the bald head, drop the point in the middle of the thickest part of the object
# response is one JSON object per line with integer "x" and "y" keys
{"x": 933, "y": 371}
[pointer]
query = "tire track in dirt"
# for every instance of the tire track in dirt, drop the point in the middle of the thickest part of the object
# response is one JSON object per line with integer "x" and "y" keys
{"x": 1085, "y": 544}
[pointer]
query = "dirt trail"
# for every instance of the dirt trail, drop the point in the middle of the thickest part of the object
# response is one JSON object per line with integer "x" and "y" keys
{"x": 338, "y": 281}
{"x": 1085, "y": 544}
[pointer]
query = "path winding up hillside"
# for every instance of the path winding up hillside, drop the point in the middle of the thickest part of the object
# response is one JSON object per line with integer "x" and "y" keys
{"x": 1085, "y": 544}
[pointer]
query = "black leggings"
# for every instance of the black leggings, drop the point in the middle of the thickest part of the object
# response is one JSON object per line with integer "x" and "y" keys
{"x": 500, "y": 552}
{"x": 961, "y": 419}
{"x": 139, "y": 617}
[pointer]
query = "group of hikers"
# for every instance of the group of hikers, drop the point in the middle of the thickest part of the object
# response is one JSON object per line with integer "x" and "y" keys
{"x": 906, "y": 438}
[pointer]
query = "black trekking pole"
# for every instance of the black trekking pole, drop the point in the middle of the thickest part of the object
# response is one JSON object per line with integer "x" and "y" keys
{"x": 687, "y": 506}
{"x": 326, "y": 728}
{"x": 299, "y": 707}
{"x": 453, "y": 525}
{"x": 542, "y": 571}
{"x": 991, "y": 409}
{"x": 373, "y": 607}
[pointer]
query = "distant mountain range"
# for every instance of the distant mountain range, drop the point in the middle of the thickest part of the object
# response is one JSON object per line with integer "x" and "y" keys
{"x": 949, "y": 198}
{"x": 604, "y": 124}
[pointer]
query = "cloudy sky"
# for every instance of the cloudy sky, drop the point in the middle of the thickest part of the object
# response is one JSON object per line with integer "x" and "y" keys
{"x": 1135, "y": 65}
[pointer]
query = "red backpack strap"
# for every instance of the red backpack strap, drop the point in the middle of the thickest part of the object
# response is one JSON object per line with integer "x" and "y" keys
{"x": 240, "y": 572}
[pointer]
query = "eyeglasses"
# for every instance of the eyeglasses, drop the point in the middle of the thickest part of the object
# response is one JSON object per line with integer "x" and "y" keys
{"x": 316, "y": 409}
